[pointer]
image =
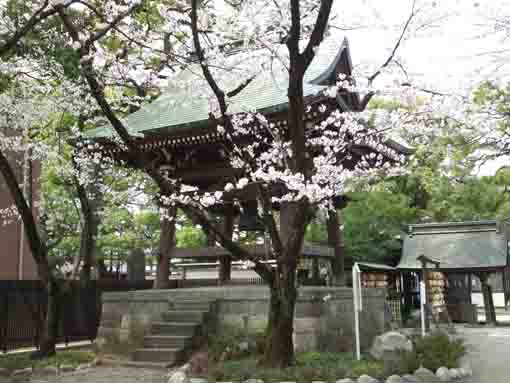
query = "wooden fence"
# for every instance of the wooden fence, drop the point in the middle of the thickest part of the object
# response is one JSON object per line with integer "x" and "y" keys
{"x": 23, "y": 309}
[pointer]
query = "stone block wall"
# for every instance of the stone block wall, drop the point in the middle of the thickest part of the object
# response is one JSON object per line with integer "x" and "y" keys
{"x": 121, "y": 308}
{"x": 324, "y": 319}
{"x": 324, "y": 315}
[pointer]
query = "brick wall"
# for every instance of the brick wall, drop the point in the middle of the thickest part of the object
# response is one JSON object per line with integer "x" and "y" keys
{"x": 10, "y": 235}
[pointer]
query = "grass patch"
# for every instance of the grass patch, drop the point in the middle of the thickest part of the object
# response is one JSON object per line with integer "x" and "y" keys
{"x": 309, "y": 366}
{"x": 13, "y": 362}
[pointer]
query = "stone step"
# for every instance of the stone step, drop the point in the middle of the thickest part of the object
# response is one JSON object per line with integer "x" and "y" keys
{"x": 167, "y": 341}
{"x": 183, "y": 316}
{"x": 190, "y": 305}
{"x": 159, "y": 355}
{"x": 175, "y": 328}
{"x": 111, "y": 323}
{"x": 131, "y": 363}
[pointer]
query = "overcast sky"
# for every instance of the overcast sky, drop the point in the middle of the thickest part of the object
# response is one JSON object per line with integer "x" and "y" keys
{"x": 449, "y": 54}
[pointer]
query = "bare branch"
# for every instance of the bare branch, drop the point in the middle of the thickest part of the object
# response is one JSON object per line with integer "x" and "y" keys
{"x": 220, "y": 95}
{"x": 396, "y": 46}
{"x": 391, "y": 57}
{"x": 295, "y": 30}
{"x": 240, "y": 88}
{"x": 318, "y": 32}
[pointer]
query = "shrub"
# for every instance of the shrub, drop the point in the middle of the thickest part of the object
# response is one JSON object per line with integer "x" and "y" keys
{"x": 68, "y": 357}
{"x": 433, "y": 351}
{"x": 226, "y": 344}
{"x": 310, "y": 366}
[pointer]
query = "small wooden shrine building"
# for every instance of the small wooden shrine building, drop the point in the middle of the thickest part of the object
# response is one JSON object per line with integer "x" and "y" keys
{"x": 177, "y": 133}
{"x": 463, "y": 250}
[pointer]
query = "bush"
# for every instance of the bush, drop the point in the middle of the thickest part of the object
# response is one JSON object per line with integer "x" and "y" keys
{"x": 72, "y": 358}
{"x": 310, "y": 366}
{"x": 227, "y": 342}
{"x": 433, "y": 351}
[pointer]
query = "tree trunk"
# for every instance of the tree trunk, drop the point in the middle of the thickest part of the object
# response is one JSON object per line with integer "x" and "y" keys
{"x": 166, "y": 247}
{"x": 336, "y": 242}
{"x": 90, "y": 201}
{"x": 279, "y": 347}
{"x": 39, "y": 253}
{"x": 47, "y": 341}
{"x": 228, "y": 231}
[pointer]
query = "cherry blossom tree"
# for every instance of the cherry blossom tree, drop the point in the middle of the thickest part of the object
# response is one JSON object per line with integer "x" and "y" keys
{"x": 125, "y": 50}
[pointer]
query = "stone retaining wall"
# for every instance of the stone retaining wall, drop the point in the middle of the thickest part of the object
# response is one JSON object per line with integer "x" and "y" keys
{"x": 324, "y": 315}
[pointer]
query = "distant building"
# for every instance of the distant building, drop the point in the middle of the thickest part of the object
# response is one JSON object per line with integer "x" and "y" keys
{"x": 16, "y": 260}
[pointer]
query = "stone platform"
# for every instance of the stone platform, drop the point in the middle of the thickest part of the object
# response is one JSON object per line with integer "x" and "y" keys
{"x": 324, "y": 318}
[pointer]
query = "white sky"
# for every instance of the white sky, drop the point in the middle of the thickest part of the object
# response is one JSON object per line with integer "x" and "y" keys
{"x": 449, "y": 56}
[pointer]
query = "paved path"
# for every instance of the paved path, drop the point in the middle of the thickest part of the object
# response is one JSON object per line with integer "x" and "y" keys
{"x": 488, "y": 354}
{"x": 109, "y": 375}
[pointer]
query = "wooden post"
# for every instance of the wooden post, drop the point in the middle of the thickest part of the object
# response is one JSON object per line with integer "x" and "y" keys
{"x": 315, "y": 271}
{"x": 335, "y": 241}
{"x": 490, "y": 312}
{"x": 425, "y": 278}
{"x": 425, "y": 275}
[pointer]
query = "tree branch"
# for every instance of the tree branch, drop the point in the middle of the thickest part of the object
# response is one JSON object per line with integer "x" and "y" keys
{"x": 218, "y": 92}
{"x": 318, "y": 32}
{"x": 235, "y": 249}
{"x": 390, "y": 58}
{"x": 295, "y": 29}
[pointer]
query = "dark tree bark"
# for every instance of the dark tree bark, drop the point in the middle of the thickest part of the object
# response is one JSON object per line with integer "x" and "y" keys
{"x": 336, "y": 242}
{"x": 40, "y": 255}
{"x": 90, "y": 200}
{"x": 228, "y": 231}
{"x": 49, "y": 334}
{"x": 166, "y": 248}
{"x": 279, "y": 348}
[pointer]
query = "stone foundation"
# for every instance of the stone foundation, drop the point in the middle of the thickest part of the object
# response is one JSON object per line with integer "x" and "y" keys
{"x": 324, "y": 315}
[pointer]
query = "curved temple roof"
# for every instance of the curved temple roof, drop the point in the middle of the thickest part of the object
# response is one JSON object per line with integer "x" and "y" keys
{"x": 456, "y": 245}
{"x": 183, "y": 107}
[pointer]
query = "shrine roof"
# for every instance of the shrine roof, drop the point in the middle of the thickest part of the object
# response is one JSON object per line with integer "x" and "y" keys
{"x": 181, "y": 107}
{"x": 456, "y": 245}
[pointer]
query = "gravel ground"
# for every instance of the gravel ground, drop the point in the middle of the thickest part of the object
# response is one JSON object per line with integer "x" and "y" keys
{"x": 488, "y": 350}
{"x": 108, "y": 375}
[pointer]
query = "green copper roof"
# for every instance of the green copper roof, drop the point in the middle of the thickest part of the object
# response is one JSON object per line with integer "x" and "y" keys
{"x": 462, "y": 245}
{"x": 180, "y": 107}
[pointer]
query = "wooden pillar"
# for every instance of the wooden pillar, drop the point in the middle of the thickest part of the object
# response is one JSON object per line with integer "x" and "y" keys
{"x": 315, "y": 270}
{"x": 490, "y": 312}
{"x": 335, "y": 241}
{"x": 228, "y": 231}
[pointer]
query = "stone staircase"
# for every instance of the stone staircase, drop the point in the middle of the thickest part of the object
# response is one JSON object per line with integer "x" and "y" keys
{"x": 172, "y": 339}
